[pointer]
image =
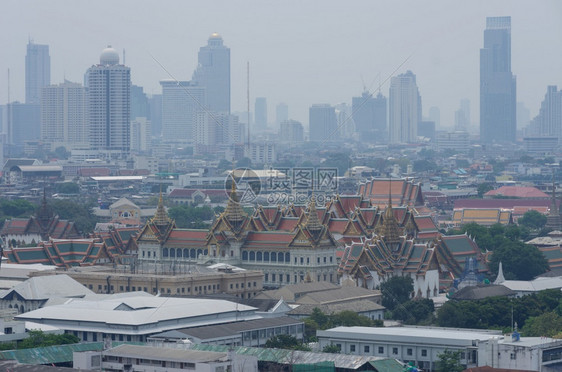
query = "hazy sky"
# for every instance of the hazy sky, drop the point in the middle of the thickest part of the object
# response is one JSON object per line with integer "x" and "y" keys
{"x": 300, "y": 52}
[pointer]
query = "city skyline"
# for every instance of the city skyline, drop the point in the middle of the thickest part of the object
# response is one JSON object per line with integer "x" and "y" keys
{"x": 441, "y": 44}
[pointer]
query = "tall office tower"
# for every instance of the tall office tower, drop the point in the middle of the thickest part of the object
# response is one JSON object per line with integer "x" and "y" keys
{"x": 497, "y": 83}
{"x": 64, "y": 115}
{"x": 213, "y": 73}
{"x": 215, "y": 131}
{"x": 109, "y": 105}
{"x": 322, "y": 123}
{"x": 260, "y": 109}
{"x": 24, "y": 125}
{"x": 140, "y": 134}
{"x": 140, "y": 107}
{"x": 155, "y": 109}
{"x": 344, "y": 120}
{"x": 369, "y": 115}
{"x": 181, "y": 101}
{"x": 281, "y": 113}
{"x": 462, "y": 116}
{"x": 523, "y": 115}
{"x": 37, "y": 72}
{"x": 291, "y": 131}
{"x": 435, "y": 116}
{"x": 404, "y": 108}
{"x": 548, "y": 123}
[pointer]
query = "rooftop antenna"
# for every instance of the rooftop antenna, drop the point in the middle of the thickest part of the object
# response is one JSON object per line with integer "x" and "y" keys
{"x": 248, "y": 102}
{"x": 9, "y": 126}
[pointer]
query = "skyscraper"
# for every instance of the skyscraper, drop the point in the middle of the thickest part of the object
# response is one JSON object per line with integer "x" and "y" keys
{"x": 109, "y": 104}
{"x": 404, "y": 108}
{"x": 260, "y": 109}
{"x": 37, "y": 71}
{"x": 497, "y": 83}
{"x": 213, "y": 73}
{"x": 322, "y": 123}
{"x": 64, "y": 115}
{"x": 369, "y": 115}
{"x": 181, "y": 101}
{"x": 548, "y": 123}
{"x": 462, "y": 116}
{"x": 281, "y": 113}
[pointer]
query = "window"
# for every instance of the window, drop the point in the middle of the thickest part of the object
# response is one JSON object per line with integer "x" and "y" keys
{"x": 366, "y": 349}
{"x": 317, "y": 259}
{"x": 394, "y": 351}
{"x": 424, "y": 353}
{"x": 338, "y": 346}
{"x": 409, "y": 351}
{"x": 308, "y": 260}
{"x": 351, "y": 348}
{"x": 302, "y": 260}
{"x": 513, "y": 356}
{"x": 381, "y": 349}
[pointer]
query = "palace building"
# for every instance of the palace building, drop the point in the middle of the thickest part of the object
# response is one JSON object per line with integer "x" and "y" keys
{"x": 348, "y": 238}
{"x": 43, "y": 226}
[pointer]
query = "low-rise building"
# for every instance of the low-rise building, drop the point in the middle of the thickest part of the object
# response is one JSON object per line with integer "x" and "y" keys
{"x": 421, "y": 345}
{"x": 135, "y": 316}
{"x": 179, "y": 281}
{"x": 156, "y": 359}
{"x": 248, "y": 333}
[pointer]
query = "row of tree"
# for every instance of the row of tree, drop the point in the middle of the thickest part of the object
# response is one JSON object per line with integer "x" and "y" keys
{"x": 520, "y": 261}
{"x": 501, "y": 312}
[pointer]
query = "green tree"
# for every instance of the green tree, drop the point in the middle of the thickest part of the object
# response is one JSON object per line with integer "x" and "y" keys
{"x": 424, "y": 166}
{"x": 16, "y": 208}
{"x": 80, "y": 213}
{"x": 41, "y": 339}
{"x": 68, "y": 188}
{"x": 187, "y": 216}
{"x": 484, "y": 188}
{"x": 333, "y": 349}
{"x": 285, "y": 342}
{"x": 449, "y": 361}
{"x": 396, "y": 290}
{"x": 533, "y": 220}
{"x": 547, "y": 324}
{"x": 520, "y": 261}
{"x": 414, "y": 311}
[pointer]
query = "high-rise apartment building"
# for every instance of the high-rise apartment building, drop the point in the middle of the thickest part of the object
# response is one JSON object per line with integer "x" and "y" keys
{"x": 181, "y": 102}
{"x": 140, "y": 107}
{"x": 404, "y": 108}
{"x": 109, "y": 105}
{"x": 260, "y": 109}
{"x": 37, "y": 71}
{"x": 155, "y": 109}
{"x": 548, "y": 123}
{"x": 291, "y": 131}
{"x": 497, "y": 83}
{"x": 281, "y": 113}
{"x": 369, "y": 115}
{"x": 213, "y": 73}
{"x": 64, "y": 115}
{"x": 322, "y": 123}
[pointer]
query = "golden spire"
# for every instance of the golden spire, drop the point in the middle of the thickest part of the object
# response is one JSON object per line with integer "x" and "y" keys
{"x": 161, "y": 216}
{"x": 390, "y": 229}
{"x": 312, "y": 222}
{"x": 234, "y": 212}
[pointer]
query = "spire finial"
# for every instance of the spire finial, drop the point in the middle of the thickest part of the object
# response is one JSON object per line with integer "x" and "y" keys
{"x": 312, "y": 222}
{"x": 161, "y": 216}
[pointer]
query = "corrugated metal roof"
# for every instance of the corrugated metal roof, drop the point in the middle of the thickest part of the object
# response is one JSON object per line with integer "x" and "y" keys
{"x": 53, "y": 354}
{"x": 283, "y": 356}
